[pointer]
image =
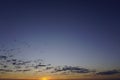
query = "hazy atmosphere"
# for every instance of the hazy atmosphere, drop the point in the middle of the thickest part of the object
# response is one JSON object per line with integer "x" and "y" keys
{"x": 59, "y": 39}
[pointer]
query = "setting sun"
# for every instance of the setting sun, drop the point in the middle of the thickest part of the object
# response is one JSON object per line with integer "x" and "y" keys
{"x": 44, "y": 78}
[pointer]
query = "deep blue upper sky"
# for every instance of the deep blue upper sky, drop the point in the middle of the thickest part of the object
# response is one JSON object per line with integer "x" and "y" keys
{"x": 63, "y": 32}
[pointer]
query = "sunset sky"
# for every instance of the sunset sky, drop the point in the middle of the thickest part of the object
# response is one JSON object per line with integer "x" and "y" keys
{"x": 59, "y": 39}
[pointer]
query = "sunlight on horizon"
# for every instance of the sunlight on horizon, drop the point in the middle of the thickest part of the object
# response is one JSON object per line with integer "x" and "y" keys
{"x": 44, "y": 78}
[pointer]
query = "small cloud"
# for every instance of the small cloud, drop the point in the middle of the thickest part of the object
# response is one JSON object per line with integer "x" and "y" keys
{"x": 110, "y": 72}
{"x": 5, "y": 66}
{"x": 24, "y": 70}
{"x": 3, "y": 57}
{"x": 50, "y": 67}
{"x": 38, "y": 66}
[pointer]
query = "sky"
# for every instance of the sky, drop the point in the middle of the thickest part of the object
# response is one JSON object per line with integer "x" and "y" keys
{"x": 59, "y": 38}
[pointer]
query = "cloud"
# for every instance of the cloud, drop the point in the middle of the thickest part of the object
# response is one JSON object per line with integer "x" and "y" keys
{"x": 6, "y": 70}
{"x": 3, "y": 57}
{"x": 38, "y": 66}
{"x": 24, "y": 70}
{"x": 16, "y": 65}
{"x": 110, "y": 72}
{"x": 19, "y": 62}
{"x": 71, "y": 69}
{"x": 49, "y": 67}
{"x": 9, "y": 63}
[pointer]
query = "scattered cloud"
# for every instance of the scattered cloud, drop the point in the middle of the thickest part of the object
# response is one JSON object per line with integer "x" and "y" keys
{"x": 9, "y": 63}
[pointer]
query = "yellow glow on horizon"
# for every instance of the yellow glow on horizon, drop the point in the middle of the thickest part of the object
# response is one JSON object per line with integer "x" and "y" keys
{"x": 44, "y": 78}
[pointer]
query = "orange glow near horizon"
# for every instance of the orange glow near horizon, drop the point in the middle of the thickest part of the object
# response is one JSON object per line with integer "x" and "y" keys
{"x": 44, "y": 78}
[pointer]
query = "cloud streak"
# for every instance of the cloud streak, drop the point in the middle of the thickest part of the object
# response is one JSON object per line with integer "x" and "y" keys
{"x": 110, "y": 72}
{"x": 71, "y": 69}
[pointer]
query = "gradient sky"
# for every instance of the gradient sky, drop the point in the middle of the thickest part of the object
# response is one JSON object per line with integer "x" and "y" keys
{"x": 63, "y": 32}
